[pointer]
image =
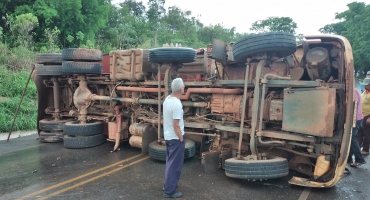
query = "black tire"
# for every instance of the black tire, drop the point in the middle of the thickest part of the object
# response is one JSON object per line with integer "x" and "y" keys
{"x": 158, "y": 152}
{"x": 48, "y": 70}
{"x": 281, "y": 43}
{"x": 48, "y": 58}
{"x": 274, "y": 167}
{"x": 50, "y": 125}
{"x": 90, "y": 128}
{"x": 70, "y": 67}
{"x": 79, "y": 142}
{"x": 172, "y": 54}
{"x": 82, "y": 54}
{"x": 51, "y": 137}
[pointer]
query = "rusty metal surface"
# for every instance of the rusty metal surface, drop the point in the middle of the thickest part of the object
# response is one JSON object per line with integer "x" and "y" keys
{"x": 127, "y": 65}
{"x": 227, "y": 104}
{"x": 219, "y": 50}
{"x": 276, "y": 110}
{"x": 210, "y": 161}
{"x": 312, "y": 116}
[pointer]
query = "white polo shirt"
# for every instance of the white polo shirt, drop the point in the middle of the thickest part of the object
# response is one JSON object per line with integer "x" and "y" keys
{"x": 172, "y": 109}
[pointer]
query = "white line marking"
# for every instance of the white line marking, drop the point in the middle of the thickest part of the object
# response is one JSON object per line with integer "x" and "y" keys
{"x": 305, "y": 193}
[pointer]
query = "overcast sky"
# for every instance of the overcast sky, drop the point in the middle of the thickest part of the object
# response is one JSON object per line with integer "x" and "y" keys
{"x": 309, "y": 15}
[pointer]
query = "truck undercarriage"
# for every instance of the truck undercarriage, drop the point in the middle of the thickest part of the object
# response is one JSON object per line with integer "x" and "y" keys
{"x": 256, "y": 108}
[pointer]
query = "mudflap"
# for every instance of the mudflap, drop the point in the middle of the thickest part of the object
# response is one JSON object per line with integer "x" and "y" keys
{"x": 225, "y": 154}
{"x": 211, "y": 161}
{"x": 147, "y": 138}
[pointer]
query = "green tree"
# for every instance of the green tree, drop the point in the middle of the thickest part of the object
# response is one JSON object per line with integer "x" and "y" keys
{"x": 155, "y": 14}
{"x": 52, "y": 36}
{"x": 218, "y": 31}
{"x": 284, "y": 24}
{"x": 22, "y": 26}
{"x": 179, "y": 27}
{"x": 354, "y": 25}
{"x": 80, "y": 37}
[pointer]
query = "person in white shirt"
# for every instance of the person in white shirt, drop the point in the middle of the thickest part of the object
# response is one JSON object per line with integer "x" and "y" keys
{"x": 173, "y": 127}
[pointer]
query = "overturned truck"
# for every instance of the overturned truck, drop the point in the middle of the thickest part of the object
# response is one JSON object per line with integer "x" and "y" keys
{"x": 255, "y": 108}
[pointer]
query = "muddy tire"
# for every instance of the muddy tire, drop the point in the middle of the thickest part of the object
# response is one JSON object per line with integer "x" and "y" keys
{"x": 51, "y": 137}
{"x": 158, "y": 152}
{"x": 281, "y": 43}
{"x": 172, "y": 54}
{"x": 73, "y": 54}
{"x": 69, "y": 67}
{"x": 79, "y": 142}
{"x": 48, "y": 58}
{"x": 51, "y": 125}
{"x": 90, "y": 128}
{"x": 275, "y": 167}
{"x": 48, "y": 70}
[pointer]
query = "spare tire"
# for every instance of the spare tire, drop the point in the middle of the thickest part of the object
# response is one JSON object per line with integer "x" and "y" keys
{"x": 49, "y": 124}
{"x": 280, "y": 43}
{"x": 48, "y": 70}
{"x": 172, "y": 54}
{"x": 48, "y": 58}
{"x": 90, "y": 128}
{"x": 51, "y": 137}
{"x": 158, "y": 152}
{"x": 82, "y": 54}
{"x": 69, "y": 67}
{"x": 274, "y": 167}
{"x": 78, "y": 142}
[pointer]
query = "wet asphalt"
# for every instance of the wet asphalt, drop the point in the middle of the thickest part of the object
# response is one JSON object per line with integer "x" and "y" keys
{"x": 30, "y": 169}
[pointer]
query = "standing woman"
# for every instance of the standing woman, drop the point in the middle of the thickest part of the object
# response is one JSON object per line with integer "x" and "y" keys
{"x": 363, "y": 136}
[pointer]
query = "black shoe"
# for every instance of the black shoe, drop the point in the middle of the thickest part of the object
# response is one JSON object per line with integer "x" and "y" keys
{"x": 163, "y": 187}
{"x": 357, "y": 164}
{"x": 347, "y": 171}
{"x": 176, "y": 195}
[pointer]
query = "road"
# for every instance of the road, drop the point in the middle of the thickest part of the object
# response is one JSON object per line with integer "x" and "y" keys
{"x": 33, "y": 170}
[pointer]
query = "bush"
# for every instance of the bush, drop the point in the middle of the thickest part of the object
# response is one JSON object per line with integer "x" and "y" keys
{"x": 12, "y": 84}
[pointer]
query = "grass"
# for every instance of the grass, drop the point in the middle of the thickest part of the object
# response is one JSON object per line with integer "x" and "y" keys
{"x": 12, "y": 84}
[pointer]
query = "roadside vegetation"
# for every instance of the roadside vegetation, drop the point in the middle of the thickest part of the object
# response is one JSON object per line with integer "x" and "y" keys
{"x": 46, "y": 26}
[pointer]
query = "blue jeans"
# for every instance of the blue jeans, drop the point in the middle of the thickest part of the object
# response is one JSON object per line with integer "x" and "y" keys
{"x": 174, "y": 163}
{"x": 355, "y": 147}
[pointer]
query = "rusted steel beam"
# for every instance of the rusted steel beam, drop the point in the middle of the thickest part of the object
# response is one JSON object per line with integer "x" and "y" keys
{"x": 286, "y": 136}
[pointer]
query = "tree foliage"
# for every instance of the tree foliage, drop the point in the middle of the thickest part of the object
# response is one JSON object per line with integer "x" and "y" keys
{"x": 354, "y": 25}
{"x": 284, "y": 24}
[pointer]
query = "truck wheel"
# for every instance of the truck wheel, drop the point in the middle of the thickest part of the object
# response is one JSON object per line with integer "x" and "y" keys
{"x": 158, "y": 152}
{"x": 48, "y": 58}
{"x": 79, "y": 142}
{"x": 48, "y": 70}
{"x": 90, "y": 128}
{"x": 280, "y": 43}
{"x": 274, "y": 167}
{"x": 50, "y": 125}
{"x": 51, "y": 137}
{"x": 70, "y": 67}
{"x": 172, "y": 54}
{"x": 82, "y": 54}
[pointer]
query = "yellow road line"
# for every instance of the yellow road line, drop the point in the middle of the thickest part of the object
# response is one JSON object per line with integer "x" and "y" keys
{"x": 92, "y": 179}
{"x": 78, "y": 177}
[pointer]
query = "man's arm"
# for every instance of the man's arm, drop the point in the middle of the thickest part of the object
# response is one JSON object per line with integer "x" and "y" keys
{"x": 176, "y": 126}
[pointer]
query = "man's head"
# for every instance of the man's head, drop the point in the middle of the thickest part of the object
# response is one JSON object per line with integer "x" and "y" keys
{"x": 177, "y": 86}
{"x": 368, "y": 74}
{"x": 366, "y": 83}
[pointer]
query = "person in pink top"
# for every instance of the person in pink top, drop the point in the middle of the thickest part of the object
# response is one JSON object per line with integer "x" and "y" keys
{"x": 355, "y": 149}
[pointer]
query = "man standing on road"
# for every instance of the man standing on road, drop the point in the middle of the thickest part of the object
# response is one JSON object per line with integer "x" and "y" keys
{"x": 355, "y": 149}
{"x": 173, "y": 127}
{"x": 363, "y": 136}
